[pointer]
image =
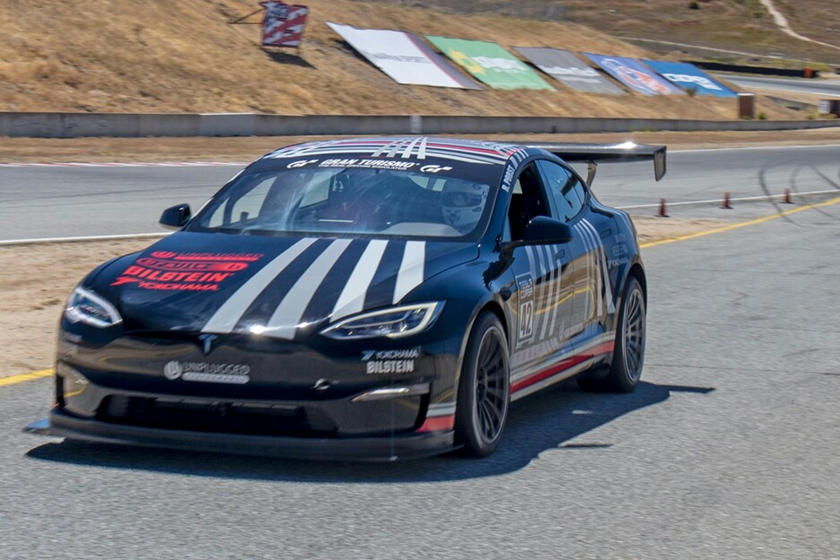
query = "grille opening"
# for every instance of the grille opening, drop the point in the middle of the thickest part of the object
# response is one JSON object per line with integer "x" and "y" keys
{"x": 218, "y": 417}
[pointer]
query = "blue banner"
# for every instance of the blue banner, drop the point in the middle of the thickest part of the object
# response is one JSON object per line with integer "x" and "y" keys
{"x": 634, "y": 75}
{"x": 690, "y": 77}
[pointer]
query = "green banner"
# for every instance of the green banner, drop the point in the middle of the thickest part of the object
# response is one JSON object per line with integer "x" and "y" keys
{"x": 490, "y": 63}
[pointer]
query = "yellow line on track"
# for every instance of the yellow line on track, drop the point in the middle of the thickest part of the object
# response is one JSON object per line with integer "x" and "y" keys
{"x": 23, "y": 377}
{"x": 738, "y": 225}
{"x": 15, "y": 379}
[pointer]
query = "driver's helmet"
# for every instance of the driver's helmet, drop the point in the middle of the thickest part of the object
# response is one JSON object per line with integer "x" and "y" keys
{"x": 462, "y": 203}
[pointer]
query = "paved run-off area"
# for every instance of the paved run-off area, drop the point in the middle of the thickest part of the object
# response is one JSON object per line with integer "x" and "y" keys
{"x": 729, "y": 449}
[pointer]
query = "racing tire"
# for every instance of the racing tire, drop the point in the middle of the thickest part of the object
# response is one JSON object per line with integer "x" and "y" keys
{"x": 629, "y": 351}
{"x": 483, "y": 388}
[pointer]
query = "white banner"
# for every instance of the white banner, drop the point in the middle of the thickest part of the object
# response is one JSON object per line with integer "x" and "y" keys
{"x": 403, "y": 56}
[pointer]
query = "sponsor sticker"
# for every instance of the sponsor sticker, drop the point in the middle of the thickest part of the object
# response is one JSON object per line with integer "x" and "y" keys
{"x": 207, "y": 372}
{"x": 368, "y": 163}
{"x": 525, "y": 283}
{"x": 173, "y": 271}
{"x": 390, "y": 361}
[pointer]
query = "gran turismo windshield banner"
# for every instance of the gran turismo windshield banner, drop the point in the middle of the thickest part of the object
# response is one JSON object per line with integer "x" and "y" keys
{"x": 404, "y": 57}
{"x": 690, "y": 77}
{"x": 569, "y": 69}
{"x": 634, "y": 74}
{"x": 490, "y": 63}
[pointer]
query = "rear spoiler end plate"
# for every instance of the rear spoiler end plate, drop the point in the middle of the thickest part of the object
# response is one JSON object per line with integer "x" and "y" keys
{"x": 608, "y": 153}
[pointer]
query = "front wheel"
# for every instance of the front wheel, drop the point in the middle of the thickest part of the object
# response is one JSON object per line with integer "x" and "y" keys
{"x": 629, "y": 351}
{"x": 483, "y": 389}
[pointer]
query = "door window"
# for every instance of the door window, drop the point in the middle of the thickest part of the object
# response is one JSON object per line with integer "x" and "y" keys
{"x": 527, "y": 201}
{"x": 567, "y": 191}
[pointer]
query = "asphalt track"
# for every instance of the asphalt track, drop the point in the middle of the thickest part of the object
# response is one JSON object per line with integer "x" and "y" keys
{"x": 49, "y": 201}
{"x": 728, "y": 449}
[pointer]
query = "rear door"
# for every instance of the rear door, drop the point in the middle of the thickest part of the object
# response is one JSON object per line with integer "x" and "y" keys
{"x": 584, "y": 274}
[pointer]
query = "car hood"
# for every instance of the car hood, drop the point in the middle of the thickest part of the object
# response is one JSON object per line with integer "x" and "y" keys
{"x": 282, "y": 286}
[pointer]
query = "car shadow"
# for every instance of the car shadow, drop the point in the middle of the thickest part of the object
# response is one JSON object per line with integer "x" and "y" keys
{"x": 547, "y": 421}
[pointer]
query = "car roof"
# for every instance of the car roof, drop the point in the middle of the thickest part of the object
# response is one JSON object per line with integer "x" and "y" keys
{"x": 406, "y": 147}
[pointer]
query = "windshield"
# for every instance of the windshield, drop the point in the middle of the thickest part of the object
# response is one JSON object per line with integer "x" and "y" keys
{"x": 352, "y": 196}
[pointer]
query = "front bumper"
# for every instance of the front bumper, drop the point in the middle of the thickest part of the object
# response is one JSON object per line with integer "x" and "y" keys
{"x": 382, "y": 448}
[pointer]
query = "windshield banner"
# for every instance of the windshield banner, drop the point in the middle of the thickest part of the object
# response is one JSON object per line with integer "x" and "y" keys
{"x": 634, "y": 74}
{"x": 690, "y": 77}
{"x": 490, "y": 63}
{"x": 569, "y": 69}
{"x": 403, "y": 56}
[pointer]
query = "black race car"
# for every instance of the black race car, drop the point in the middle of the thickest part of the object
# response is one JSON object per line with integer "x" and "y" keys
{"x": 365, "y": 298}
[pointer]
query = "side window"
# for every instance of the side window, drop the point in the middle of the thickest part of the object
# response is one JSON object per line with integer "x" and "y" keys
{"x": 566, "y": 190}
{"x": 527, "y": 201}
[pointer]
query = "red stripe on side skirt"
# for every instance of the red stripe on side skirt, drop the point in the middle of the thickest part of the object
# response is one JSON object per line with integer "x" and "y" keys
{"x": 438, "y": 423}
{"x": 571, "y": 361}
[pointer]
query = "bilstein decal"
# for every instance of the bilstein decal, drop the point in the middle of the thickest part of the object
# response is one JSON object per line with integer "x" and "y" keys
{"x": 390, "y": 361}
{"x": 172, "y": 271}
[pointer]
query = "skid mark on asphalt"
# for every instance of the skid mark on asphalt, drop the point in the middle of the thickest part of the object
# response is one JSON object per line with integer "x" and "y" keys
{"x": 15, "y": 379}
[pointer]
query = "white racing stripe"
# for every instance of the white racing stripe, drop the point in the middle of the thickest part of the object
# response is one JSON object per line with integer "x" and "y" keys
{"x": 286, "y": 318}
{"x": 352, "y": 298}
{"x": 226, "y": 317}
{"x": 411, "y": 269}
{"x": 605, "y": 278}
{"x": 553, "y": 290}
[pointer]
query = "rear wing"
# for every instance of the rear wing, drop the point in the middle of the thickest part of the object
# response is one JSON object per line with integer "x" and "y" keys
{"x": 608, "y": 153}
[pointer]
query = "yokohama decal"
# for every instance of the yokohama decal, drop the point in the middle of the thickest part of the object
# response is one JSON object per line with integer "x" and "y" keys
{"x": 171, "y": 271}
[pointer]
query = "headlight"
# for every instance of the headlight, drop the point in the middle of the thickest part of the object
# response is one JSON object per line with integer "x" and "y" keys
{"x": 394, "y": 322}
{"x": 87, "y": 307}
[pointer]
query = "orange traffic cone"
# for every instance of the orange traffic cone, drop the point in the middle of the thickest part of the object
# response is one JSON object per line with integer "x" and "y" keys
{"x": 725, "y": 205}
{"x": 662, "y": 213}
{"x": 787, "y": 199}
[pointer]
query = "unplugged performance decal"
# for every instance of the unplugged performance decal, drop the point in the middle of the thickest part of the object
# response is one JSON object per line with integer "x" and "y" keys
{"x": 690, "y": 77}
{"x": 634, "y": 74}
{"x": 490, "y": 63}
{"x": 283, "y": 24}
{"x": 403, "y": 57}
{"x": 569, "y": 69}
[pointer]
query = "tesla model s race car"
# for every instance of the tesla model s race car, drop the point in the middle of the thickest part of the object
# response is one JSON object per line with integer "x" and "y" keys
{"x": 365, "y": 298}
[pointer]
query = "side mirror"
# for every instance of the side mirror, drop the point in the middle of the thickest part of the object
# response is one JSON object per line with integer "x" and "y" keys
{"x": 176, "y": 217}
{"x": 543, "y": 230}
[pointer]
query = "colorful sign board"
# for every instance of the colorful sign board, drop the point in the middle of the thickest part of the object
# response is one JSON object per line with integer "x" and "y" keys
{"x": 403, "y": 56}
{"x": 490, "y": 63}
{"x": 689, "y": 77}
{"x": 565, "y": 67}
{"x": 282, "y": 24}
{"x": 634, "y": 74}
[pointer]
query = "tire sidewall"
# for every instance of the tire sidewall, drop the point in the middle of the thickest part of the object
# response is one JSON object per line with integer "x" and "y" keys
{"x": 622, "y": 376}
{"x": 467, "y": 424}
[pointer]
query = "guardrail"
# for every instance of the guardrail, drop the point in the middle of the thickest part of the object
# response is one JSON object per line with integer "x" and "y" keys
{"x": 764, "y": 70}
{"x": 74, "y": 125}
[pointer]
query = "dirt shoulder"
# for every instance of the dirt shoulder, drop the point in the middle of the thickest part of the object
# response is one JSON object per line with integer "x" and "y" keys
{"x": 30, "y": 310}
{"x": 13, "y": 150}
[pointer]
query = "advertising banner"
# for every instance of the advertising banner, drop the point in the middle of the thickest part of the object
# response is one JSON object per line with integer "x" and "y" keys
{"x": 404, "y": 57}
{"x": 689, "y": 77}
{"x": 569, "y": 69}
{"x": 282, "y": 24}
{"x": 490, "y": 63}
{"x": 634, "y": 75}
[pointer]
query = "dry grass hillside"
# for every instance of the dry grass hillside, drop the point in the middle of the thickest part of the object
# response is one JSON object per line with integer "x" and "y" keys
{"x": 164, "y": 56}
{"x": 740, "y": 25}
